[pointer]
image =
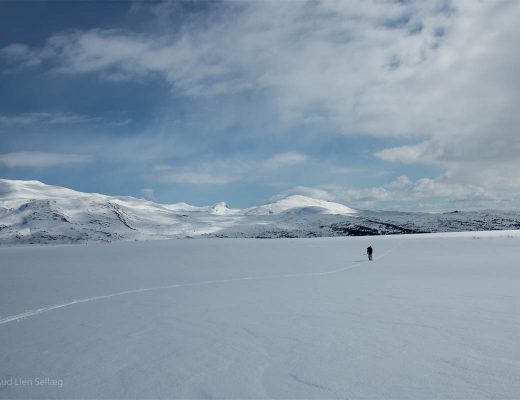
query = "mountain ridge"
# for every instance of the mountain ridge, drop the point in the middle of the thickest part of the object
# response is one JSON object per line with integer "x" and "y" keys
{"x": 33, "y": 212}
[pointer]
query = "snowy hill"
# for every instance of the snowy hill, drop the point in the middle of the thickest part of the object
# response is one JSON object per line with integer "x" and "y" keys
{"x": 298, "y": 203}
{"x": 32, "y": 212}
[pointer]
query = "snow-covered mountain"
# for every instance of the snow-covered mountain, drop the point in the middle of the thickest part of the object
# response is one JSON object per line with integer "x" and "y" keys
{"x": 32, "y": 212}
{"x": 300, "y": 204}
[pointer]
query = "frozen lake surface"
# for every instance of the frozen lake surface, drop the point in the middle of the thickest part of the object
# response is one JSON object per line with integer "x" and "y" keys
{"x": 433, "y": 316}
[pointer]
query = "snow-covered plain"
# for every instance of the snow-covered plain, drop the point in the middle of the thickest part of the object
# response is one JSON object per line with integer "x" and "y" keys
{"x": 433, "y": 316}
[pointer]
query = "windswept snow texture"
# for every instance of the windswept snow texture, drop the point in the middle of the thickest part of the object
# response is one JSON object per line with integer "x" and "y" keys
{"x": 32, "y": 212}
{"x": 431, "y": 317}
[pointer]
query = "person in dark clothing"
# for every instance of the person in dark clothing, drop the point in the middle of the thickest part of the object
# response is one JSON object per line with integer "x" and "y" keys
{"x": 369, "y": 252}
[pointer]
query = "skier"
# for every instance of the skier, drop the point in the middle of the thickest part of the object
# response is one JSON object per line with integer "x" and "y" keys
{"x": 369, "y": 252}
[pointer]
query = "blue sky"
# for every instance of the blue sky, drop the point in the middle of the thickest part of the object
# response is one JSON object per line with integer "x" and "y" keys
{"x": 383, "y": 104}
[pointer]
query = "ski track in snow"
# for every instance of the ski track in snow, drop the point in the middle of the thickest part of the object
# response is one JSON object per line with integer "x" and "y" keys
{"x": 32, "y": 313}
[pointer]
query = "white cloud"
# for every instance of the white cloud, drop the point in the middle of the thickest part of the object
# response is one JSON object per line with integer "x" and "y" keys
{"x": 148, "y": 194}
{"x": 485, "y": 160}
{"x": 284, "y": 159}
{"x": 421, "y": 152}
{"x": 444, "y": 74}
{"x": 41, "y": 160}
{"x": 336, "y": 55}
{"x": 403, "y": 193}
{"x": 403, "y": 190}
{"x": 400, "y": 183}
{"x": 425, "y": 188}
{"x": 382, "y": 68}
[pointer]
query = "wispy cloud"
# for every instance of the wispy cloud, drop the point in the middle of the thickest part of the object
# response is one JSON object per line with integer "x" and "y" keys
{"x": 284, "y": 159}
{"x": 148, "y": 194}
{"x": 41, "y": 160}
{"x": 44, "y": 118}
{"x": 194, "y": 178}
{"x": 423, "y": 152}
{"x": 345, "y": 170}
{"x": 224, "y": 171}
{"x": 21, "y": 55}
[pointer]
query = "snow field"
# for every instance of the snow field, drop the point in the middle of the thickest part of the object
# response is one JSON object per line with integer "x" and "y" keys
{"x": 431, "y": 317}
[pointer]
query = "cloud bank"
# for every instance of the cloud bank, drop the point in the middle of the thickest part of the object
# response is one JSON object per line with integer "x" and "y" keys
{"x": 440, "y": 76}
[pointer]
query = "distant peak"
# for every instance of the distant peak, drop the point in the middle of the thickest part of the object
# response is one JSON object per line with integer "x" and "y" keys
{"x": 299, "y": 202}
{"x": 220, "y": 208}
{"x": 34, "y": 189}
